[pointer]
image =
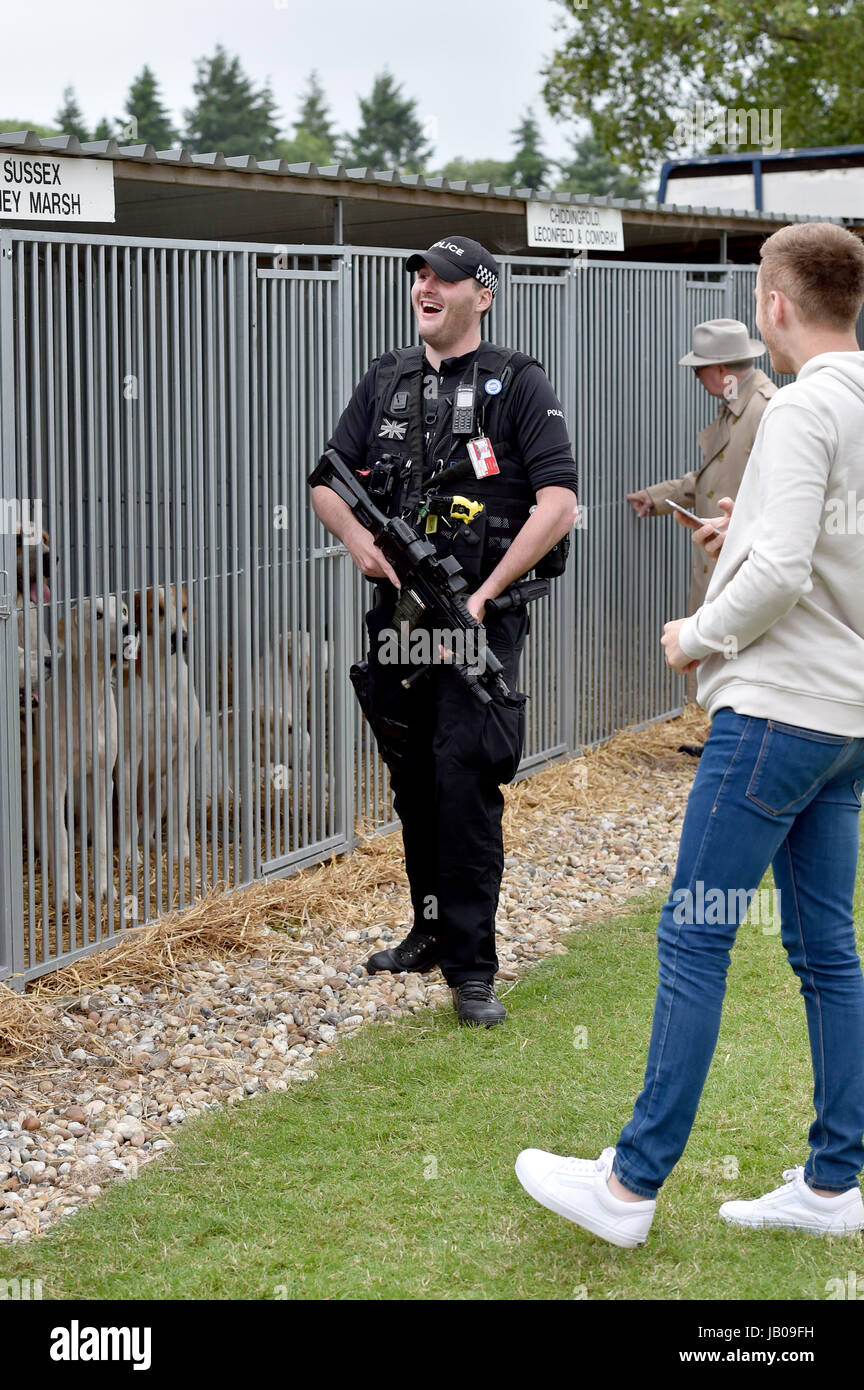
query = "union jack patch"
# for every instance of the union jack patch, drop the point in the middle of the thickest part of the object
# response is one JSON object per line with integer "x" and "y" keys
{"x": 393, "y": 429}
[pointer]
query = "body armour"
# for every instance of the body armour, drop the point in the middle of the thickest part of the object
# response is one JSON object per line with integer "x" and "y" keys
{"x": 415, "y": 465}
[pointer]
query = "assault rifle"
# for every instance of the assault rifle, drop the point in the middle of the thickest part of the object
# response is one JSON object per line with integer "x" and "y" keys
{"x": 432, "y": 584}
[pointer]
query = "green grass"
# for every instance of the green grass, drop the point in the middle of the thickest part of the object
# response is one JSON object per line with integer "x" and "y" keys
{"x": 330, "y": 1191}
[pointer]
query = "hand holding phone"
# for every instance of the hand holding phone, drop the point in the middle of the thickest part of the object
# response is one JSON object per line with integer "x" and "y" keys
{"x": 698, "y": 521}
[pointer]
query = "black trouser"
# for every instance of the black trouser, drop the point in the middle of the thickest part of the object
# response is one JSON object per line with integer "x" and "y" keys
{"x": 446, "y": 789}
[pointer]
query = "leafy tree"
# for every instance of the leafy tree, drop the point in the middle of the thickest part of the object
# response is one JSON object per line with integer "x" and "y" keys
{"x": 230, "y": 115}
{"x": 494, "y": 171}
{"x": 146, "y": 119}
{"x": 637, "y": 70}
{"x": 14, "y": 125}
{"x": 390, "y": 135}
{"x": 590, "y": 170}
{"x": 314, "y": 138}
{"x": 70, "y": 118}
{"x": 530, "y": 165}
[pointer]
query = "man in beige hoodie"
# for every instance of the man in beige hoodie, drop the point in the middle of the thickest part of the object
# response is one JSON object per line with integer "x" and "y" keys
{"x": 779, "y": 647}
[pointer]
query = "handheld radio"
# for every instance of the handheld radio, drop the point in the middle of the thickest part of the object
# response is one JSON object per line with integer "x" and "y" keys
{"x": 463, "y": 407}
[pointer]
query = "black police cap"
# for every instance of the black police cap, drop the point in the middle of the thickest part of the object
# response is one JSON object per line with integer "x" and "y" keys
{"x": 459, "y": 258}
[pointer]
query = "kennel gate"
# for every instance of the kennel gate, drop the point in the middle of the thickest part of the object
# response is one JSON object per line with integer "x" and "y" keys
{"x": 165, "y": 402}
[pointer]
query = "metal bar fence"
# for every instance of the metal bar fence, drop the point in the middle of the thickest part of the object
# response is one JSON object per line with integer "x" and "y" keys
{"x": 185, "y": 624}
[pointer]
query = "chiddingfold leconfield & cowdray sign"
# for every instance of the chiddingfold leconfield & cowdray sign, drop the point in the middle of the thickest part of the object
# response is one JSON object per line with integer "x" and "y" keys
{"x": 39, "y": 188}
{"x": 575, "y": 228}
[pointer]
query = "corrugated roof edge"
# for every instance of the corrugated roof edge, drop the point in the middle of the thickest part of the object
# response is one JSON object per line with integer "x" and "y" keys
{"x": 30, "y": 142}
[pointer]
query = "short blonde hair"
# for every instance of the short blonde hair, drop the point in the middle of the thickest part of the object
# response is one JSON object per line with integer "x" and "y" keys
{"x": 820, "y": 267}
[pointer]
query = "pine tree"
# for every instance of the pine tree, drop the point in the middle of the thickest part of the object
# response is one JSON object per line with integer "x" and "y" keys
{"x": 70, "y": 118}
{"x": 146, "y": 121}
{"x": 494, "y": 171}
{"x": 314, "y": 114}
{"x": 530, "y": 164}
{"x": 390, "y": 135}
{"x": 590, "y": 170}
{"x": 103, "y": 130}
{"x": 230, "y": 115}
{"x": 314, "y": 139}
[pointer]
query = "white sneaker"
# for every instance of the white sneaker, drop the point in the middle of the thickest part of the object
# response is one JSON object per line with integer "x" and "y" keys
{"x": 576, "y": 1188}
{"x": 795, "y": 1208}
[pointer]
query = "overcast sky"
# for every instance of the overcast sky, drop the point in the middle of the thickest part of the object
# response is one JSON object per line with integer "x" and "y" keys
{"x": 472, "y": 67}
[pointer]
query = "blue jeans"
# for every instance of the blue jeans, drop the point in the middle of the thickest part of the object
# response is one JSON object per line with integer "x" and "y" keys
{"x": 765, "y": 793}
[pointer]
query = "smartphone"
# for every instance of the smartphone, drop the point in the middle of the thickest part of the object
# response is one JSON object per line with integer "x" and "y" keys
{"x": 691, "y": 515}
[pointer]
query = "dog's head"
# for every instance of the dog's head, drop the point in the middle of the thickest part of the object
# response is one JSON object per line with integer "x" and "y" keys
{"x": 161, "y": 607}
{"x": 35, "y": 565}
{"x": 108, "y": 616}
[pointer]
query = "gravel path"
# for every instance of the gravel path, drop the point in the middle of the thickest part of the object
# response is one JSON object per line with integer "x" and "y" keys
{"x": 134, "y": 1064}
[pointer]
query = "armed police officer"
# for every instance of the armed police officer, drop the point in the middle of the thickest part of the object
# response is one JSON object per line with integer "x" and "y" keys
{"x": 467, "y": 441}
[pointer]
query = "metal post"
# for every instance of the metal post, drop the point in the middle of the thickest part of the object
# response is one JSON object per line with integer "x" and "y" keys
{"x": 241, "y": 467}
{"x": 344, "y": 636}
{"x": 11, "y": 839}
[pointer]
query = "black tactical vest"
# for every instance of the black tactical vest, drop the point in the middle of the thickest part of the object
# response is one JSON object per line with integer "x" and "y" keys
{"x": 407, "y": 424}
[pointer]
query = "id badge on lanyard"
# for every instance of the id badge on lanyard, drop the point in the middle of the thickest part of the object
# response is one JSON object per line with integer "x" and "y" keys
{"x": 482, "y": 457}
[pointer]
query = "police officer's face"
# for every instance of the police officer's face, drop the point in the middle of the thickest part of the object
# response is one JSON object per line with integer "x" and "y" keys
{"x": 446, "y": 310}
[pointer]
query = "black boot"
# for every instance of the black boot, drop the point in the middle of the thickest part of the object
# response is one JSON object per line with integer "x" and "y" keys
{"x": 475, "y": 1003}
{"x": 417, "y": 952}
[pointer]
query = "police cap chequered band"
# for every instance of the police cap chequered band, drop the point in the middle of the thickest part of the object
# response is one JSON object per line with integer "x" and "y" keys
{"x": 487, "y": 278}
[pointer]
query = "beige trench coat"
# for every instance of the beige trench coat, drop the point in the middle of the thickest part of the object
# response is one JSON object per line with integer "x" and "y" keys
{"x": 725, "y": 445}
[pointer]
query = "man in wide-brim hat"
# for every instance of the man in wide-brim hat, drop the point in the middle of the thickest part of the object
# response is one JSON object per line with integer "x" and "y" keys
{"x": 723, "y": 359}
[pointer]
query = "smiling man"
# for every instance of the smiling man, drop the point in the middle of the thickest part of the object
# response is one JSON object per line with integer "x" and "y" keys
{"x": 456, "y": 418}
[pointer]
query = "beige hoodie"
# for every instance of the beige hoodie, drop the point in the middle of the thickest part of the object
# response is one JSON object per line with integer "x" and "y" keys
{"x": 782, "y": 625}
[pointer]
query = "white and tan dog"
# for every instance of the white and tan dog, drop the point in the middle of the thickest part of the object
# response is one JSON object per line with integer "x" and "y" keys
{"x": 276, "y": 677}
{"x": 163, "y": 720}
{"x": 35, "y": 563}
{"x": 92, "y": 644}
{"x": 274, "y": 721}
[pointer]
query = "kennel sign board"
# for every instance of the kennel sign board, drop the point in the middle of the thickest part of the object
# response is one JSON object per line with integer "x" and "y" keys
{"x": 41, "y": 188}
{"x": 575, "y": 228}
